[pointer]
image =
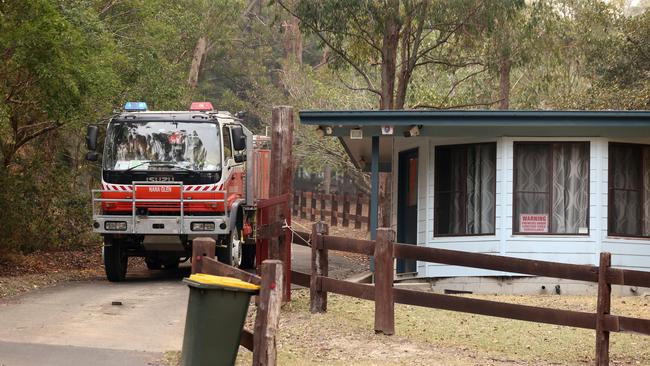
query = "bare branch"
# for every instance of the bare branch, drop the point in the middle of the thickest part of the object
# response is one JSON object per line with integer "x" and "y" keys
{"x": 453, "y": 31}
{"x": 458, "y": 82}
{"x": 23, "y": 140}
{"x": 355, "y": 88}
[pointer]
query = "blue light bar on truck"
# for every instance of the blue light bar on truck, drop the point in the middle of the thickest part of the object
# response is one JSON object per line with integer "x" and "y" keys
{"x": 135, "y": 106}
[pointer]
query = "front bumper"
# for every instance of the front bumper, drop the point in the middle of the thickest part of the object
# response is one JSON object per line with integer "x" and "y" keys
{"x": 159, "y": 194}
{"x": 158, "y": 225}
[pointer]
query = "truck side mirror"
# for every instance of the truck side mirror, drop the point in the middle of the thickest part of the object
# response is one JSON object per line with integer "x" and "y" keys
{"x": 238, "y": 138}
{"x": 91, "y": 137}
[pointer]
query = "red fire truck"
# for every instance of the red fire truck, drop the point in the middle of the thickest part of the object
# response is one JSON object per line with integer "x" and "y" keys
{"x": 171, "y": 176}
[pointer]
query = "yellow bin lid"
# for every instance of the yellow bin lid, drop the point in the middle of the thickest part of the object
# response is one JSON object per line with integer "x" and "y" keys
{"x": 207, "y": 279}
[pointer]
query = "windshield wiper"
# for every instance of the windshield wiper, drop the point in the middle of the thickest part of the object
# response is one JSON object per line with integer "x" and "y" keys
{"x": 143, "y": 163}
{"x": 162, "y": 163}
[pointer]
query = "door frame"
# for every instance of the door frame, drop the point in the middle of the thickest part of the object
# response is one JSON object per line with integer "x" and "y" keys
{"x": 405, "y": 266}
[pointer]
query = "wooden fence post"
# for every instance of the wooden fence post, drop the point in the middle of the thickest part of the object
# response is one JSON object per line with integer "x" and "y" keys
{"x": 306, "y": 196}
{"x": 295, "y": 205}
{"x": 312, "y": 216}
{"x": 323, "y": 207}
{"x": 335, "y": 210}
{"x": 201, "y": 247}
{"x": 281, "y": 175}
{"x": 358, "y": 212}
{"x": 603, "y": 308}
{"x": 346, "y": 210}
{"x": 319, "y": 267}
{"x": 384, "y": 304}
{"x": 268, "y": 314}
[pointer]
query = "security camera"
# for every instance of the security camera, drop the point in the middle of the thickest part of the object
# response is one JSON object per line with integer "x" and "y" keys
{"x": 386, "y": 130}
{"x": 413, "y": 131}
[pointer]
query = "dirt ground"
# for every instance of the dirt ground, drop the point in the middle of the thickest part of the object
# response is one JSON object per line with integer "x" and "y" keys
{"x": 344, "y": 335}
{"x": 20, "y": 273}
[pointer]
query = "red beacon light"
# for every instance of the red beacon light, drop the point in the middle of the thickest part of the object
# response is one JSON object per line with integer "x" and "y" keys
{"x": 201, "y": 107}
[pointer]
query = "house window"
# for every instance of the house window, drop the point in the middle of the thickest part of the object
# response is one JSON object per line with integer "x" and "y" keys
{"x": 551, "y": 188}
{"x": 629, "y": 190}
{"x": 465, "y": 187}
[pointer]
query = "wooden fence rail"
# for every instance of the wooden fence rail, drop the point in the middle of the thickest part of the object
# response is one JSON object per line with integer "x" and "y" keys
{"x": 336, "y": 209}
{"x": 385, "y": 250}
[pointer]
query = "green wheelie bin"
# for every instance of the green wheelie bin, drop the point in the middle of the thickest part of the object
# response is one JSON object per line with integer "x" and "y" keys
{"x": 216, "y": 312}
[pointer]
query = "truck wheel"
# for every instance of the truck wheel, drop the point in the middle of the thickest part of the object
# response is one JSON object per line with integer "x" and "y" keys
{"x": 171, "y": 264}
{"x": 235, "y": 245}
{"x": 152, "y": 263}
{"x": 115, "y": 260}
{"x": 248, "y": 256}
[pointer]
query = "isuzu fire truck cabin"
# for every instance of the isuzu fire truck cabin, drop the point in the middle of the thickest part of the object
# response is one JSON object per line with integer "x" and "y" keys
{"x": 169, "y": 177}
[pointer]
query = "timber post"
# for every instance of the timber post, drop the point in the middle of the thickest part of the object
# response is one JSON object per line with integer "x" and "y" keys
{"x": 281, "y": 182}
{"x": 319, "y": 267}
{"x": 201, "y": 247}
{"x": 281, "y": 175}
{"x": 268, "y": 314}
{"x": 603, "y": 308}
{"x": 384, "y": 304}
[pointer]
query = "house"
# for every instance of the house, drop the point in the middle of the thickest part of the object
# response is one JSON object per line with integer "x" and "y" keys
{"x": 549, "y": 185}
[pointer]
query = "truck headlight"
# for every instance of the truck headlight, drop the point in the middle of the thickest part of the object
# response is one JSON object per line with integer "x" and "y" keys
{"x": 115, "y": 225}
{"x": 202, "y": 226}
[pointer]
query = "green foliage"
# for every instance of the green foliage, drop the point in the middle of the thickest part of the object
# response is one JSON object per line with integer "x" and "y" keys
{"x": 67, "y": 63}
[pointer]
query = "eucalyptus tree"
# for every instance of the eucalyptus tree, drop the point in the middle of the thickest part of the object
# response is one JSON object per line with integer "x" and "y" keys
{"x": 385, "y": 42}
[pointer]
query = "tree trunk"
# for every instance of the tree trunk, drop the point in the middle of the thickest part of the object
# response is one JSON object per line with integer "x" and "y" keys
{"x": 385, "y": 194}
{"x": 389, "y": 56}
{"x": 293, "y": 39}
{"x": 504, "y": 82}
{"x": 197, "y": 60}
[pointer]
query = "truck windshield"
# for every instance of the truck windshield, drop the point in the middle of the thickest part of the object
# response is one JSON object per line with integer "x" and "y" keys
{"x": 147, "y": 145}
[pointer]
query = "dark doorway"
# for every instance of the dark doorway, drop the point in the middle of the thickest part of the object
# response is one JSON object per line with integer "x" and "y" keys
{"x": 407, "y": 205}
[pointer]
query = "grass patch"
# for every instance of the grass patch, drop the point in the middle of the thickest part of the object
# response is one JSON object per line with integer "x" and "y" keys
{"x": 344, "y": 335}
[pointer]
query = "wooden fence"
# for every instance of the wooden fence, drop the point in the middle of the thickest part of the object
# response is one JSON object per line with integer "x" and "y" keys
{"x": 384, "y": 250}
{"x": 262, "y": 341}
{"x": 273, "y": 216}
{"x": 336, "y": 209}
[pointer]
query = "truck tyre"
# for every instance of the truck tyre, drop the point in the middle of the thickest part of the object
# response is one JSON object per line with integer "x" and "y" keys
{"x": 235, "y": 245}
{"x": 171, "y": 264}
{"x": 115, "y": 260}
{"x": 248, "y": 256}
{"x": 152, "y": 263}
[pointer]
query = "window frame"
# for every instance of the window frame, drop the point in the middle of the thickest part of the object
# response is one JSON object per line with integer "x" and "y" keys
{"x": 610, "y": 188}
{"x": 464, "y": 207}
{"x": 225, "y": 132}
{"x": 515, "y": 199}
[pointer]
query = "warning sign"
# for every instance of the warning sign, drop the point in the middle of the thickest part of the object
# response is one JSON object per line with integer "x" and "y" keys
{"x": 533, "y": 223}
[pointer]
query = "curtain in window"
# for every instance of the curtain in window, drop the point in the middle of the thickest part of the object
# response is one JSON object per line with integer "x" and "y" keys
{"x": 552, "y": 179}
{"x": 456, "y": 209}
{"x": 646, "y": 191}
{"x": 570, "y": 187}
{"x": 533, "y": 170}
{"x": 465, "y": 189}
{"x": 481, "y": 179}
{"x": 626, "y": 178}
